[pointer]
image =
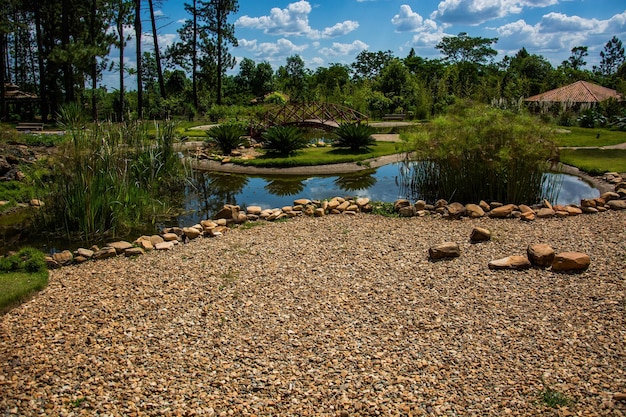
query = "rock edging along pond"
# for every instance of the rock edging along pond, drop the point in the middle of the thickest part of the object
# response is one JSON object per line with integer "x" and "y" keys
{"x": 233, "y": 215}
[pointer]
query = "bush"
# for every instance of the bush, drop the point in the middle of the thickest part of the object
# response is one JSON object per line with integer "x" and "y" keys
{"x": 227, "y": 136}
{"x": 591, "y": 118}
{"x": 480, "y": 153}
{"x": 284, "y": 140}
{"x": 26, "y": 260}
{"x": 354, "y": 136}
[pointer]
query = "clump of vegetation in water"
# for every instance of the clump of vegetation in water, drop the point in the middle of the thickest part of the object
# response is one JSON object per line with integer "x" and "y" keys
{"x": 476, "y": 153}
{"x": 355, "y": 136}
{"x": 109, "y": 178}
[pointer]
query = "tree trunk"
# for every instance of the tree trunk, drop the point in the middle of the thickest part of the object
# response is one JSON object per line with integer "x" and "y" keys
{"x": 194, "y": 57}
{"x": 94, "y": 63}
{"x": 139, "y": 65}
{"x": 3, "y": 107}
{"x": 120, "y": 31}
{"x": 220, "y": 60}
{"x": 68, "y": 73}
{"x": 157, "y": 52}
{"x": 43, "y": 93}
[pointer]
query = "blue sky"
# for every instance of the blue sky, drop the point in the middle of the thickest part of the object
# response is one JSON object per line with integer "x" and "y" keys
{"x": 325, "y": 31}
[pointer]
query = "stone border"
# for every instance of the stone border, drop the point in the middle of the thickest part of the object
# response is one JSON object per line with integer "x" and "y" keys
{"x": 233, "y": 215}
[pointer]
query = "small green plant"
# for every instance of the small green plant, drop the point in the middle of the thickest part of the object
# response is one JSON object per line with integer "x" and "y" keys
{"x": 355, "y": 136}
{"x": 284, "y": 140}
{"x": 383, "y": 208}
{"x": 553, "y": 398}
{"x": 21, "y": 274}
{"x": 77, "y": 402}
{"x": 226, "y": 136}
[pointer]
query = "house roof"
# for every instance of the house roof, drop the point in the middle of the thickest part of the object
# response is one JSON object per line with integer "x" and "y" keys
{"x": 578, "y": 92}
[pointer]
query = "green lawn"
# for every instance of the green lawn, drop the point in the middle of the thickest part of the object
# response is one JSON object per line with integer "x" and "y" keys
{"x": 324, "y": 156}
{"x": 580, "y": 136}
{"x": 595, "y": 161}
{"x": 21, "y": 275}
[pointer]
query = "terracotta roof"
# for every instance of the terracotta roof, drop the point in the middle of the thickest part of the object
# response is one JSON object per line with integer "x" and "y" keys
{"x": 578, "y": 92}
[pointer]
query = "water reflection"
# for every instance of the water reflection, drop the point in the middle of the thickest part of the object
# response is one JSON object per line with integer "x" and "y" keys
{"x": 355, "y": 182}
{"x": 285, "y": 186}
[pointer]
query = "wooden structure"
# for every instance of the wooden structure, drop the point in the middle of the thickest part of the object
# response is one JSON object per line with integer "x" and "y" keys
{"x": 327, "y": 116}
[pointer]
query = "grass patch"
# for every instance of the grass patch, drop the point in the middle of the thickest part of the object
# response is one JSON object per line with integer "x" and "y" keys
{"x": 554, "y": 399}
{"x": 324, "y": 156}
{"x": 580, "y": 136}
{"x": 384, "y": 208}
{"x": 21, "y": 275}
{"x": 595, "y": 161}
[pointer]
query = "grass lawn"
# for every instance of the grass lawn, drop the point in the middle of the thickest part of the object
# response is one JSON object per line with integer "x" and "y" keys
{"x": 595, "y": 161}
{"x": 323, "y": 156}
{"x": 580, "y": 136}
{"x": 16, "y": 287}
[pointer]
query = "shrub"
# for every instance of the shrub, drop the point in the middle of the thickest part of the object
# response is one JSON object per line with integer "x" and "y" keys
{"x": 227, "y": 136}
{"x": 591, "y": 118}
{"x": 354, "y": 136}
{"x": 480, "y": 153}
{"x": 284, "y": 140}
{"x": 26, "y": 260}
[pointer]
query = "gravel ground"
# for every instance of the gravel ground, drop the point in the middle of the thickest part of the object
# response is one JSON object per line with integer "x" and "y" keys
{"x": 332, "y": 316}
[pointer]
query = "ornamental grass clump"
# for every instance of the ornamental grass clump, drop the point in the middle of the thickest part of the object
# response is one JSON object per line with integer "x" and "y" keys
{"x": 355, "y": 136}
{"x": 226, "y": 136}
{"x": 284, "y": 140}
{"x": 480, "y": 153}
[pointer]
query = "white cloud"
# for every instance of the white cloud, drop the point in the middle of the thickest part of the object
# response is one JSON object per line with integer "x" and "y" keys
{"x": 282, "y": 47}
{"x": 315, "y": 62}
{"x": 294, "y": 21}
{"x": 409, "y": 21}
{"x": 343, "y": 49}
{"x": 475, "y": 12}
{"x": 559, "y": 22}
{"x": 247, "y": 44}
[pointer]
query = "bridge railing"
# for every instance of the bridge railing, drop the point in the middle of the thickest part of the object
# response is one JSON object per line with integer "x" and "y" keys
{"x": 323, "y": 115}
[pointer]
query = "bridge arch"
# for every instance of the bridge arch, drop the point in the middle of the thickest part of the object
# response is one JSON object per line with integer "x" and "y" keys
{"x": 327, "y": 116}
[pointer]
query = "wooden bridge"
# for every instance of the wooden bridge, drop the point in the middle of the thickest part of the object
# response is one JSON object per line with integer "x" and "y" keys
{"x": 327, "y": 116}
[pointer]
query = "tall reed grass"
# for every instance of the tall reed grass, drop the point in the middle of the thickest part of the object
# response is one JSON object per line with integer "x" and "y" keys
{"x": 110, "y": 178}
{"x": 481, "y": 153}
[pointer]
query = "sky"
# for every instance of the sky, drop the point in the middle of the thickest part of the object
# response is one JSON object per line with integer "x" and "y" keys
{"x": 323, "y": 32}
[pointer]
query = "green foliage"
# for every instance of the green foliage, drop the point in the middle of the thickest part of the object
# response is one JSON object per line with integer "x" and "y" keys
{"x": 71, "y": 116}
{"x": 591, "y": 118}
{"x": 284, "y": 140}
{"x": 110, "y": 178}
{"x": 384, "y": 208}
{"x": 553, "y": 398}
{"x": 480, "y": 153}
{"x": 581, "y": 137}
{"x": 226, "y": 136}
{"x": 21, "y": 274}
{"x": 354, "y": 136}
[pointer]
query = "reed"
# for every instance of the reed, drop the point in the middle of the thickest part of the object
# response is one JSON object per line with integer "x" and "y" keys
{"x": 481, "y": 153}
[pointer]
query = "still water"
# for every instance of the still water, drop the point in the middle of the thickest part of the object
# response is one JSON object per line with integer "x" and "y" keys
{"x": 212, "y": 190}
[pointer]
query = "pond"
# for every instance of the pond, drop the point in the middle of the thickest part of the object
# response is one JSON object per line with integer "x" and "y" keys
{"x": 207, "y": 193}
{"x": 211, "y": 190}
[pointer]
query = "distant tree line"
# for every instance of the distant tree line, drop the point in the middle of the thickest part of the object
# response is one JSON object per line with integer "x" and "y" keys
{"x": 59, "y": 49}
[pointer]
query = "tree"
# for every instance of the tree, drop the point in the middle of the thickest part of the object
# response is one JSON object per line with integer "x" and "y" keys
{"x": 612, "y": 57}
{"x": 294, "y": 78}
{"x": 138, "y": 33}
{"x": 157, "y": 51}
{"x": 369, "y": 64}
{"x": 577, "y": 60}
{"x": 464, "y": 48}
{"x": 215, "y": 13}
{"x": 122, "y": 18}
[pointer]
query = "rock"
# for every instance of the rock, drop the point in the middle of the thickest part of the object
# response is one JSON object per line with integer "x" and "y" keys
{"x": 480, "y": 234}
{"x": 333, "y": 204}
{"x": 134, "y": 252}
{"x": 441, "y": 203}
{"x": 310, "y": 209}
{"x": 501, "y": 211}
{"x": 254, "y": 210}
{"x": 456, "y": 210}
{"x": 168, "y": 237}
{"x": 420, "y": 205}
{"x": 343, "y": 206}
{"x": 561, "y": 214}
{"x": 545, "y": 213}
{"x": 589, "y": 210}
{"x": 609, "y": 195}
{"x": 616, "y": 204}
{"x": 573, "y": 210}
{"x": 164, "y": 245}
{"x": 484, "y": 205}
{"x": 154, "y": 239}
{"x": 495, "y": 204}
{"x": 63, "y": 258}
{"x": 301, "y": 202}
{"x": 474, "y": 211}
{"x": 120, "y": 246}
{"x": 523, "y": 208}
{"x": 229, "y": 212}
{"x": 51, "y": 263}
{"x": 571, "y": 261}
{"x": 353, "y": 207}
{"x": 406, "y": 211}
{"x": 547, "y": 205}
{"x": 362, "y": 202}
{"x": 36, "y": 203}
{"x": 528, "y": 216}
{"x": 398, "y": 204}
{"x": 515, "y": 262}
{"x": 540, "y": 254}
{"x": 105, "y": 253}
{"x": 145, "y": 243}
{"x": 191, "y": 232}
{"x": 444, "y": 250}
{"x": 588, "y": 202}
{"x": 319, "y": 212}
{"x": 85, "y": 253}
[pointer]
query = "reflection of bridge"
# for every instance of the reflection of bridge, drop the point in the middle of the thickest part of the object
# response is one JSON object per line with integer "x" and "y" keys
{"x": 327, "y": 116}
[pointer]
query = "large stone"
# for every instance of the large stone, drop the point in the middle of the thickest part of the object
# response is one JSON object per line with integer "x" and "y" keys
{"x": 474, "y": 211}
{"x": 616, "y": 204}
{"x": 515, "y": 262}
{"x": 169, "y": 237}
{"x": 319, "y": 212}
{"x": 191, "y": 232}
{"x": 333, "y": 204}
{"x": 85, "y": 253}
{"x": 154, "y": 239}
{"x": 134, "y": 252}
{"x": 229, "y": 212}
{"x": 456, "y": 210}
{"x": 120, "y": 246}
{"x": 63, "y": 258}
{"x": 571, "y": 261}
{"x": 480, "y": 234}
{"x": 444, "y": 250}
{"x": 301, "y": 202}
{"x": 528, "y": 216}
{"x": 540, "y": 254}
{"x": 609, "y": 195}
{"x": 398, "y": 204}
{"x": 343, "y": 206}
{"x": 145, "y": 243}
{"x": 164, "y": 245}
{"x": 105, "y": 253}
{"x": 523, "y": 208}
{"x": 406, "y": 211}
{"x": 420, "y": 205}
{"x": 573, "y": 210}
{"x": 545, "y": 213}
{"x": 502, "y": 211}
{"x": 362, "y": 202}
{"x": 254, "y": 210}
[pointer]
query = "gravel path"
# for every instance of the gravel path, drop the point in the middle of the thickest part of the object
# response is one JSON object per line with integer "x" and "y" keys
{"x": 332, "y": 316}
